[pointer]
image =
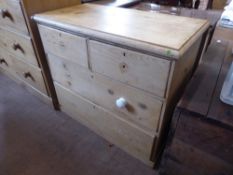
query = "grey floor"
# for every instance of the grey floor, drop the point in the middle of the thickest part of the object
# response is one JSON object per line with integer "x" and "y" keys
{"x": 36, "y": 140}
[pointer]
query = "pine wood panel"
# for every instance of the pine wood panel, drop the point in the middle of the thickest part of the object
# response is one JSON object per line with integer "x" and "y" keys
{"x": 12, "y": 16}
{"x": 6, "y": 62}
{"x": 164, "y": 34}
{"x": 29, "y": 74}
{"x": 19, "y": 45}
{"x": 139, "y": 70}
{"x": 142, "y": 109}
{"x": 22, "y": 30}
{"x": 130, "y": 66}
{"x": 30, "y": 7}
{"x": 218, "y": 4}
{"x": 65, "y": 45}
{"x": 106, "y": 124}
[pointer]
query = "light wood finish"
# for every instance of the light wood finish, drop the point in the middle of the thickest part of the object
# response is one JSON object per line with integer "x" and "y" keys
{"x": 65, "y": 45}
{"x": 139, "y": 60}
{"x": 182, "y": 71}
{"x": 143, "y": 109}
{"x": 32, "y": 7}
{"x": 133, "y": 68}
{"x": 32, "y": 90}
{"x": 219, "y": 4}
{"x": 27, "y": 73}
{"x": 12, "y": 16}
{"x": 184, "y": 68}
{"x": 19, "y": 45}
{"x": 6, "y": 62}
{"x": 30, "y": 74}
{"x": 131, "y": 139}
{"x": 173, "y": 35}
{"x": 17, "y": 29}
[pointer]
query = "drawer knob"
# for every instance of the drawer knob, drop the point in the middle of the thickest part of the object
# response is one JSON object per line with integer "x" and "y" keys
{"x": 6, "y": 14}
{"x": 28, "y": 75}
{"x": 17, "y": 47}
{"x": 2, "y": 60}
{"x": 121, "y": 102}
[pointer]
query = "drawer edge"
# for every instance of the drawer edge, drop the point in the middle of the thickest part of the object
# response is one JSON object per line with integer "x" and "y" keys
{"x": 72, "y": 109}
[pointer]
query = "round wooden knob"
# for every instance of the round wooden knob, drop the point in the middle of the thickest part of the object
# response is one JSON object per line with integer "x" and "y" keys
{"x": 121, "y": 102}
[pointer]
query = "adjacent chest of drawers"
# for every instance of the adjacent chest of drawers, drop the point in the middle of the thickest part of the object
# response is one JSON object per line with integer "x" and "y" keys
{"x": 21, "y": 53}
{"x": 115, "y": 71}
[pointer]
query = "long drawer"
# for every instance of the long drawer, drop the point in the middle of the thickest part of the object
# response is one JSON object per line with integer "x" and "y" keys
{"x": 12, "y": 16}
{"x": 65, "y": 45}
{"x": 141, "y": 108}
{"x": 27, "y": 73}
{"x": 139, "y": 70}
{"x": 19, "y": 45}
{"x": 106, "y": 124}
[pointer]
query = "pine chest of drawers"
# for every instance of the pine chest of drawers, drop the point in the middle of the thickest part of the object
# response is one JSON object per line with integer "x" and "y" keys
{"x": 21, "y": 53}
{"x": 118, "y": 71}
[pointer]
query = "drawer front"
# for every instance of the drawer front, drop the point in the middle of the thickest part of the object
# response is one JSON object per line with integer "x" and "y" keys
{"x": 12, "y": 16}
{"x": 140, "y": 108}
{"x": 29, "y": 74}
{"x": 64, "y": 45}
{"x": 139, "y": 70}
{"x": 19, "y": 45}
{"x": 6, "y": 61}
{"x": 106, "y": 124}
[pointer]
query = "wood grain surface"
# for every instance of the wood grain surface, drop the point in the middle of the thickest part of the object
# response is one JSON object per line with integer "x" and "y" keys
{"x": 106, "y": 124}
{"x": 168, "y": 35}
{"x": 14, "y": 17}
{"x": 143, "y": 109}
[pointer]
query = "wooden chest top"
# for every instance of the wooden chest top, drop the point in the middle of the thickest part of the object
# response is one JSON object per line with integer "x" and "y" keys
{"x": 163, "y": 34}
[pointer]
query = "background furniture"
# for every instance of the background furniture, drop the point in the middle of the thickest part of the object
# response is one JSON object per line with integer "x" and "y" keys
{"x": 21, "y": 53}
{"x": 217, "y": 4}
{"x": 201, "y": 135}
{"x": 181, "y": 3}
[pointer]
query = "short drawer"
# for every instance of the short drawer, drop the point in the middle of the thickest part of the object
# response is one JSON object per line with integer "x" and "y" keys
{"x": 29, "y": 74}
{"x": 12, "y": 16}
{"x": 19, "y": 45}
{"x": 65, "y": 45}
{"x": 111, "y": 127}
{"x": 136, "y": 69}
{"x": 140, "y": 108}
